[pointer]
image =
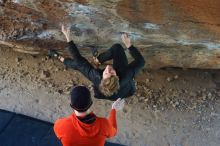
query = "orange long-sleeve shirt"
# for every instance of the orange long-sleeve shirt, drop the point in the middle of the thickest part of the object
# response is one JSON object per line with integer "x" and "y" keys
{"x": 72, "y": 132}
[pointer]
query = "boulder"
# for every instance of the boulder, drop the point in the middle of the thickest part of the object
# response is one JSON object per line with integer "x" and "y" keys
{"x": 170, "y": 33}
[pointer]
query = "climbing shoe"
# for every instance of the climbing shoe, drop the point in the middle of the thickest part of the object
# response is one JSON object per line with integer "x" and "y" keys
{"x": 53, "y": 53}
{"x": 94, "y": 50}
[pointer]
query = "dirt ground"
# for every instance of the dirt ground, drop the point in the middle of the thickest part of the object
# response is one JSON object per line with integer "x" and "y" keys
{"x": 172, "y": 107}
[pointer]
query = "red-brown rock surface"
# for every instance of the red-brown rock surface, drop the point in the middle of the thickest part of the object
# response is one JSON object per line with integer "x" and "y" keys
{"x": 169, "y": 33}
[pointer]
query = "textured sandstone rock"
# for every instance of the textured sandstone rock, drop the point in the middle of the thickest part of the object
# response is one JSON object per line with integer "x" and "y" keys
{"x": 169, "y": 33}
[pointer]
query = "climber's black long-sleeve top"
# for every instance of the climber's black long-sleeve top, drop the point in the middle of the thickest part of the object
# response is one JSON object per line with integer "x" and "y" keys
{"x": 125, "y": 71}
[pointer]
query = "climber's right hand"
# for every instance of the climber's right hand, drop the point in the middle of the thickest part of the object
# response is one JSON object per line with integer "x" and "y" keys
{"x": 66, "y": 31}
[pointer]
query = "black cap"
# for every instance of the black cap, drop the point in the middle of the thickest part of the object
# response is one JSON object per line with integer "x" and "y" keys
{"x": 80, "y": 98}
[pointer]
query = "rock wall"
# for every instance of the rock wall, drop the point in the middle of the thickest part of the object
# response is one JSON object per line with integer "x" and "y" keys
{"x": 170, "y": 33}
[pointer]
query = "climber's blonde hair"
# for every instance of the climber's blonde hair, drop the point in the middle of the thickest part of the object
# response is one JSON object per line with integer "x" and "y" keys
{"x": 110, "y": 85}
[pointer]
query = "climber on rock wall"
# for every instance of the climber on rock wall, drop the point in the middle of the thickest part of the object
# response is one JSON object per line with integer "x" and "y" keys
{"x": 115, "y": 80}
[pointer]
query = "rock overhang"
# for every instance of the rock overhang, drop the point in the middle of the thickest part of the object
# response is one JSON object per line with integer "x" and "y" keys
{"x": 169, "y": 33}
